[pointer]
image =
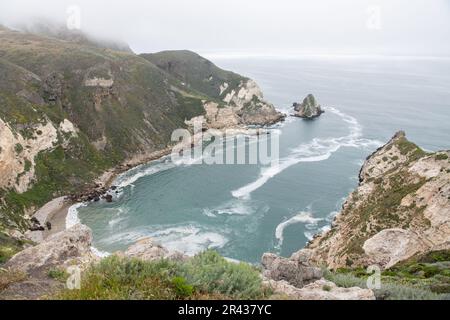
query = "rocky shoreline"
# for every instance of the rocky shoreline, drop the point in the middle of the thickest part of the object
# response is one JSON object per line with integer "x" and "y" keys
{"x": 298, "y": 277}
{"x": 102, "y": 188}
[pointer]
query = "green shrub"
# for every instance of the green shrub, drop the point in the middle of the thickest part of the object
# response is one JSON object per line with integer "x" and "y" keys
{"x": 441, "y": 156}
{"x": 181, "y": 287}
{"x": 210, "y": 272}
{"x": 58, "y": 274}
{"x": 18, "y": 148}
{"x": 326, "y": 288}
{"x": 205, "y": 276}
{"x": 391, "y": 288}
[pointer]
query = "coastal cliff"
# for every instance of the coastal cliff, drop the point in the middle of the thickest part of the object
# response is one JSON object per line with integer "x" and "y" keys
{"x": 400, "y": 210}
{"x": 73, "y": 109}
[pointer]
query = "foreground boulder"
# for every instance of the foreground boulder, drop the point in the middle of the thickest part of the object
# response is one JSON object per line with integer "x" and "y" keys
{"x": 318, "y": 290}
{"x": 296, "y": 270}
{"x": 148, "y": 250}
{"x": 56, "y": 250}
{"x": 308, "y": 109}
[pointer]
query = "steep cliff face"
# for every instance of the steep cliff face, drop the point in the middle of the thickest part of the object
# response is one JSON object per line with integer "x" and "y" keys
{"x": 401, "y": 208}
{"x": 71, "y": 109}
{"x": 233, "y": 100}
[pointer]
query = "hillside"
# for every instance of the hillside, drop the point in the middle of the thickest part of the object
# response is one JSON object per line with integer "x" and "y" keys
{"x": 400, "y": 210}
{"x": 243, "y": 95}
{"x": 71, "y": 110}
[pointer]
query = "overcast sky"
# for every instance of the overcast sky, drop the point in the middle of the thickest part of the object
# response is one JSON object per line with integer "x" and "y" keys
{"x": 402, "y": 27}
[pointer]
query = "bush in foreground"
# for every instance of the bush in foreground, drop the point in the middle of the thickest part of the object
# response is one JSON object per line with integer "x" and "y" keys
{"x": 206, "y": 276}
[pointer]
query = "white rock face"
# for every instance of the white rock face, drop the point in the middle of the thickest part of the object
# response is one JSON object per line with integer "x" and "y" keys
{"x": 319, "y": 290}
{"x": 17, "y": 151}
{"x": 223, "y": 87}
{"x": 390, "y": 246}
{"x": 68, "y": 127}
{"x": 246, "y": 91}
{"x": 99, "y": 82}
{"x": 71, "y": 246}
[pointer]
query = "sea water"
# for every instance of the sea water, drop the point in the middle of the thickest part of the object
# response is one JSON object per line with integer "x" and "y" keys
{"x": 243, "y": 211}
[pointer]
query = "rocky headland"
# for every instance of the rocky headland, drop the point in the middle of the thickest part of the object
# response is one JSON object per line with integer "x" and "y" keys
{"x": 400, "y": 209}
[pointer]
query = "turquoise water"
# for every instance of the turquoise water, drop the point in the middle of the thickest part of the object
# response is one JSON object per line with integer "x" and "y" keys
{"x": 246, "y": 210}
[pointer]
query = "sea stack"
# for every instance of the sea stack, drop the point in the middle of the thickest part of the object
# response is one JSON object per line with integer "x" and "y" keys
{"x": 308, "y": 109}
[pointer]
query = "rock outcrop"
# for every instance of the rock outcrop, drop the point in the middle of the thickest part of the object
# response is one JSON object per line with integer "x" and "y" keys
{"x": 296, "y": 270}
{"x": 401, "y": 208}
{"x": 148, "y": 250}
{"x": 318, "y": 290}
{"x": 18, "y": 152}
{"x": 65, "y": 248}
{"x": 247, "y": 101}
{"x": 297, "y": 278}
{"x": 308, "y": 109}
{"x": 241, "y": 107}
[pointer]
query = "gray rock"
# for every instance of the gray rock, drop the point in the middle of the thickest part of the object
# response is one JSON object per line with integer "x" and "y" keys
{"x": 308, "y": 109}
{"x": 56, "y": 250}
{"x": 146, "y": 249}
{"x": 302, "y": 256}
{"x": 296, "y": 270}
{"x": 319, "y": 290}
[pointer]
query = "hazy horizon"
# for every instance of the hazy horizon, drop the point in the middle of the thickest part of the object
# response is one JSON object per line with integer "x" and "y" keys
{"x": 254, "y": 28}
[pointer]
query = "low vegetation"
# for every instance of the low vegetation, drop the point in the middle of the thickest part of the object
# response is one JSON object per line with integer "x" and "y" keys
{"x": 424, "y": 277}
{"x": 8, "y": 278}
{"x": 206, "y": 276}
{"x": 9, "y": 247}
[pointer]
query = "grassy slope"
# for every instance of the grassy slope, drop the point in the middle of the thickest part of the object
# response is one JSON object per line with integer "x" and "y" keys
{"x": 195, "y": 71}
{"x": 138, "y": 114}
{"x": 421, "y": 277}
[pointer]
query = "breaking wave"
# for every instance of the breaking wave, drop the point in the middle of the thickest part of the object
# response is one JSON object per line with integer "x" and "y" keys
{"x": 319, "y": 149}
{"x": 233, "y": 207}
{"x": 187, "y": 239}
{"x": 303, "y": 217}
{"x": 72, "y": 215}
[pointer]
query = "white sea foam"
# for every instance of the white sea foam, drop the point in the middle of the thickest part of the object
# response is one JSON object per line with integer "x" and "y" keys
{"x": 72, "y": 215}
{"x": 232, "y": 207}
{"x": 332, "y": 215}
{"x": 303, "y": 217}
{"x": 118, "y": 217}
{"x": 319, "y": 149}
{"x": 130, "y": 177}
{"x": 188, "y": 239}
{"x": 99, "y": 253}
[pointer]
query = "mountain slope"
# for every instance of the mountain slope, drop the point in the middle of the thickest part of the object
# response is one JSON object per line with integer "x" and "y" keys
{"x": 71, "y": 110}
{"x": 243, "y": 95}
{"x": 195, "y": 71}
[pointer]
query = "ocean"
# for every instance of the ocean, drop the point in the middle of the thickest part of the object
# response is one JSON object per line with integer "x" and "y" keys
{"x": 243, "y": 211}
